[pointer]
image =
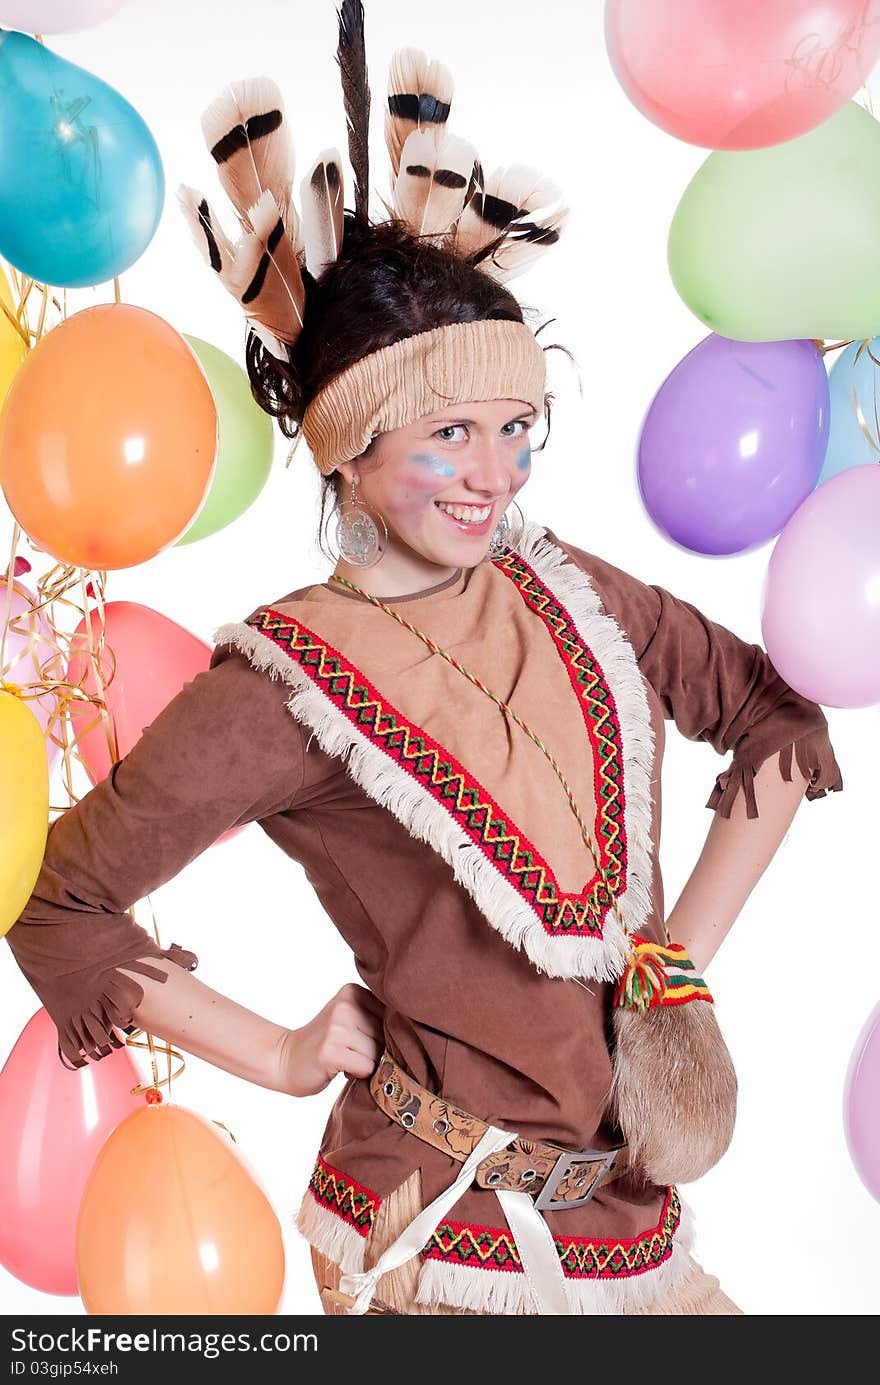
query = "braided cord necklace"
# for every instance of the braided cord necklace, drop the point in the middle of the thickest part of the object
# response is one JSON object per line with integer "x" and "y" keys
{"x": 514, "y": 716}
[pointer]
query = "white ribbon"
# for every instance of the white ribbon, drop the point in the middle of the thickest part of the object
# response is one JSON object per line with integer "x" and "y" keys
{"x": 414, "y": 1236}
{"x": 534, "y": 1239}
{"x": 537, "y": 1250}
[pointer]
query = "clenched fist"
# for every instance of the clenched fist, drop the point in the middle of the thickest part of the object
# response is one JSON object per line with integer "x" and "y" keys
{"x": 346, "y": 1036}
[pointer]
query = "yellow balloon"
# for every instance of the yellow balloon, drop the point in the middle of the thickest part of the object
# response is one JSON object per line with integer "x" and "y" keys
{"x": 12, "y": 345}
{"x": 24, "y": 805}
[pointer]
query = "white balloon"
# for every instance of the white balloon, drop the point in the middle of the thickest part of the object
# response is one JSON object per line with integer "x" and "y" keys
{"x": 55, "y": 16}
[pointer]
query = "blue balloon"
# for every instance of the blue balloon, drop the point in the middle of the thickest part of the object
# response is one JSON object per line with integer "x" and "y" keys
{"x": 847, "y": 444}
{"x": 81, "y": 179}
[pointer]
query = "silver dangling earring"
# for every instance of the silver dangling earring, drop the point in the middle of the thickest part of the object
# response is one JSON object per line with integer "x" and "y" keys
{"x": 507, "y": 532}
{"x": 361, "y": 532}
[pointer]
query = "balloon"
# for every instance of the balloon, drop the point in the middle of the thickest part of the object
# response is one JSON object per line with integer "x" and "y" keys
{"x": 153, "y": 657}
{"x": 53, "y": 1124}
{"x": 24, "y": 806}
{"x": 861, "y": 1105}
{"x": 13, "y": 347}
{"x": 848, "y": 444}
{"x": 821, "y": 600}
{"x": 55, "y": 16}
{"x": 730, "y": 75}
{"x": 108, "y": 438}
{"x": 26, "y": 648}
{"x": 780, "y": 243}
{"x": 81, "y": 180}
{"x": 733, "y": 442}
{"x": 245, "y": 447}
{"x": 173, "y": 1222}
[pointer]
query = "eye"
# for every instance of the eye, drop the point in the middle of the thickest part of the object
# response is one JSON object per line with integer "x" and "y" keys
{"x": 443, "y": 433}
{"x": 516, "y": 423}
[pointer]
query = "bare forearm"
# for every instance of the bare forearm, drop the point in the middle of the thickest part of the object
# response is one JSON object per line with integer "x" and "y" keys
{"x": 736, "y": 853}
{"x": 209, "y": 1025}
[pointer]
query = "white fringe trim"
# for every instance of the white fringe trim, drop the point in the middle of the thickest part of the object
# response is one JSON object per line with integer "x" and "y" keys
{"x": 617, "y": 660}
{"x": 329, "y": 1234}
{"x": 507, "y": 1291}
{"x": 424, "y": 818}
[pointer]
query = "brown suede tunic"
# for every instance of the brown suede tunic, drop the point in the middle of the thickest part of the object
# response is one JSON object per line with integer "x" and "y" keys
{"x": 467, "y": 1012}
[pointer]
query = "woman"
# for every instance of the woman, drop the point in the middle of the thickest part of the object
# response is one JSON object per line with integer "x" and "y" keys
{"x": 459, "y": 735}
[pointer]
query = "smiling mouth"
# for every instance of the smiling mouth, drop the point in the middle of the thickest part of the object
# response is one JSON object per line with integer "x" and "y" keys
{"x": 465, "y": 514}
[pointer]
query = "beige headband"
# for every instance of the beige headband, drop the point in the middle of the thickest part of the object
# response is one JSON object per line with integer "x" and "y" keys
{"x": 390, "y": 388}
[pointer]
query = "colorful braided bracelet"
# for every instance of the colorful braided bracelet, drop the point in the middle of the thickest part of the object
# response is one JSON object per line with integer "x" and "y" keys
{"x": 658, "y": 974}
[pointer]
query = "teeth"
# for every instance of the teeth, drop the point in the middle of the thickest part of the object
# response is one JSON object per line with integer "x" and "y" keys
{"x": 471, "y": 514}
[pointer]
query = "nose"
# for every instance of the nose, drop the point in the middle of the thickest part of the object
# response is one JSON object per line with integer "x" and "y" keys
{"x": 490, "y": 474}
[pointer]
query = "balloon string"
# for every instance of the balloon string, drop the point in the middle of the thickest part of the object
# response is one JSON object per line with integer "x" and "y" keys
{"x": 872, "y": 438}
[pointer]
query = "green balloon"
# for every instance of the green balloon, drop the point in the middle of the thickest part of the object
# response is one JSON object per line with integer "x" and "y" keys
{"x": 781, "y": 243}
{"x": 245, "y": 444}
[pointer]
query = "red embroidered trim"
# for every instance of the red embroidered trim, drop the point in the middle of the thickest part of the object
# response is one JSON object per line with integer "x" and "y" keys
{"x": 562, "y": 913}
{"x": 346, "y": 1197}
{"x": 583, "y": 1257}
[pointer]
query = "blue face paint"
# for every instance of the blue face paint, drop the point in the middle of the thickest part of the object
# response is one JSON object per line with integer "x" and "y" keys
{"x": 524, "y": 459}
{"x": 433, "y": 464}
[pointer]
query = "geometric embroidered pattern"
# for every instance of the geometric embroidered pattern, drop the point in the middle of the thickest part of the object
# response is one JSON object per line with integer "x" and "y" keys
{"x": 343, "y": 1195}
{"x": 493, "y": 1248}
{"x": 562, "y": 913}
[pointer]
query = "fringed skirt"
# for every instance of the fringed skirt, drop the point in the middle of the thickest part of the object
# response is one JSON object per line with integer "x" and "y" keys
{"x": 694, "y": 1293}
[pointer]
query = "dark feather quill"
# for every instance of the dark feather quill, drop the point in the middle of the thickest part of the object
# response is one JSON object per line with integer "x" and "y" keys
{"x": 352, "y": 58}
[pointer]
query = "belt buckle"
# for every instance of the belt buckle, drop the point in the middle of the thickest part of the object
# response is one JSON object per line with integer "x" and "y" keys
{"x": 545, "y": 1201}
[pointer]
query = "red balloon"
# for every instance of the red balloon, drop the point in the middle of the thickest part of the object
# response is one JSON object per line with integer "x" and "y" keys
{"x": 741, "y": 74}
{"x": 153, "y": 656}
{"x": 53, "y": 1123}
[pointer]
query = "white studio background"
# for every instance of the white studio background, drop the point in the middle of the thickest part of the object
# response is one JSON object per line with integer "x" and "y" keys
{"x": 784, "y": 1220}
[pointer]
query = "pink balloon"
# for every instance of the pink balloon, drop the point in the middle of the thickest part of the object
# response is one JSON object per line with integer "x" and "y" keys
{"x": 55, "y": 16}
{"x": 154, "y": 658}
{"x": 53, "y": 1123}
{"x": 821, "y": 599}
{"x": 861, "y": 1105}
{"x": 741, "y": 74}
{"x": 25, "y": 652}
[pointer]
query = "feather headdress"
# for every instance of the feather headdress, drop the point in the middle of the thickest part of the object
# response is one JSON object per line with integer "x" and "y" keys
{"x": 438, "y": 188}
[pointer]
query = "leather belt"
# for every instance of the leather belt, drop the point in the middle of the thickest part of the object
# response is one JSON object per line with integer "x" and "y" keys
{"x": 557, "y": 1178}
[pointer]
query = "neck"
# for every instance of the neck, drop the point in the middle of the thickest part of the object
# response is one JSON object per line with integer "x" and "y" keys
{"x": 396, "y": 573}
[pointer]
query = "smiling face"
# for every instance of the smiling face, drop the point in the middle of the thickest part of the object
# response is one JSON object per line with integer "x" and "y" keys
{"x": 442, "y": 483}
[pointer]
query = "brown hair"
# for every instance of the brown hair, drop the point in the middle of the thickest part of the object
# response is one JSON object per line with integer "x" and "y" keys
{"x": 386, "y": 284}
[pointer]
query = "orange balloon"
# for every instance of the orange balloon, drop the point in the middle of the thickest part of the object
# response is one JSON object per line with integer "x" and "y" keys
{"x": 171, "y": 1221}
{"x": 108, "y": 438}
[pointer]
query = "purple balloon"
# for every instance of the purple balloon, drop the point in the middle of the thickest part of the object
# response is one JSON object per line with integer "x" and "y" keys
{"x": 733, "y": 442}
{"x": 861, "y": 1105}
{"x": 821, "y": 601}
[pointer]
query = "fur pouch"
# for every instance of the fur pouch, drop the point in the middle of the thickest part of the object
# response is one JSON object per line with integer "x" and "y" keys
{"x": 673, "y": 1090}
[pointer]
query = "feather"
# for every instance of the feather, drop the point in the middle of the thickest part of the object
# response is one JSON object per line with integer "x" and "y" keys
{"x": 321, "y": 198}
{"x": 246, "y": 130}
{"x": 352, "y": 59}
{"x": 266, "y": 277}
{"x": 510, "y": 221}
{"x": 419, "y": 96}
{"x": 436, "y": 168}
{"x": 261, "y": 271}
{"x": 212, "y": 241}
